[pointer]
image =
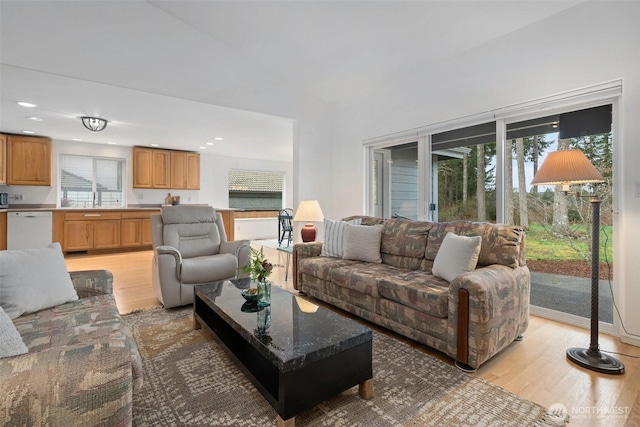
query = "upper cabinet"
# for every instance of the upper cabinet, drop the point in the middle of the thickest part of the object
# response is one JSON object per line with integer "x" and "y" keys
{"x": 28, "y": 160}
{"x": 156, "y": 168}
{"x": 185, "y": 170}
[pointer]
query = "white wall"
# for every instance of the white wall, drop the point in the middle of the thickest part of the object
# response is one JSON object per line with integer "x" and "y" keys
{"x": 591, "y": 43}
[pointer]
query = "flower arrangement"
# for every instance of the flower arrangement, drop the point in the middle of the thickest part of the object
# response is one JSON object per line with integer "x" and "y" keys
{"x": 259, "y": 268}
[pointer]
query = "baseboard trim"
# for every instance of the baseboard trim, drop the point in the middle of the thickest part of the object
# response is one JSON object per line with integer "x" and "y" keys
{"x": 571, "y": 319}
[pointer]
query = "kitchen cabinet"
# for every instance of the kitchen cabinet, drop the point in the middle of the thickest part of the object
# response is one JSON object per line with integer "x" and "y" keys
{"x": 151, "y": 168}
{"x": 3, "y": 159}
{"x": 87, "y": 230}
{"x": 135, "y": 228}
{"x": 28, "y": 160}
{"x": 3, "y": 231}
{"x": 185, "y": 170}
{"x": 157, "y": 168}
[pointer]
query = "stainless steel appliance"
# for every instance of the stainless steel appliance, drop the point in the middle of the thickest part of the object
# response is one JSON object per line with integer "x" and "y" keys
{"x": 29, "y": 230}
{"x": 4, "y": 200}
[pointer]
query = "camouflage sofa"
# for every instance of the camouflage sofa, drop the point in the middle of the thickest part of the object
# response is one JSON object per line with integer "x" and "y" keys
{"x": 82, "y": 367}
{"x": 470, "y": 319}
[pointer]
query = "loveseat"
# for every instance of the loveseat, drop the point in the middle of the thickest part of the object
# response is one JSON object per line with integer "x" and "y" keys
{"x": 470, "y": 318}
{"x": 82, "y": 365}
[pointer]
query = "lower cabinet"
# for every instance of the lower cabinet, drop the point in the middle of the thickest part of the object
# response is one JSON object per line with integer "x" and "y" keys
{"x": 92, "y": 230}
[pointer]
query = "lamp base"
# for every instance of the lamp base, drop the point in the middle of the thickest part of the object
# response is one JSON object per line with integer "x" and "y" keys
{"x": 595, "y": 361}
{"x": 308, "y": 233}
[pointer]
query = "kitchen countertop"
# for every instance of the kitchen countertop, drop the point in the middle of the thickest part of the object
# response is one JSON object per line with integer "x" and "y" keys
{"x": 41, "y": 208}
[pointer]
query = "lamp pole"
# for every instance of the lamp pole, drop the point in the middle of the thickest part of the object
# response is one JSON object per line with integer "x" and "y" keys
{"x": 592, "y": 358}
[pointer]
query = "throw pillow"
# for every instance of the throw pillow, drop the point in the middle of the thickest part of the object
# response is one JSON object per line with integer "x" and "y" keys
{"x": 457, "y": 255}
{"x": 333, "y": 245}
{"x": 362, "y": 243}
{"x": 11, "y": 343}
{"x": 34, "y": 279}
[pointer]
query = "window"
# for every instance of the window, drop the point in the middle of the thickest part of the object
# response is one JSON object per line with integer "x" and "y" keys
{"x": 255, "y": 190}
{"x": 87, "y": 182}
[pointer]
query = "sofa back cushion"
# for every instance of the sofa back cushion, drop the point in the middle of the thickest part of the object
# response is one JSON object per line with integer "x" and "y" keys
{"x": 192, "y": 230}
{"x": 501, "y": 244}
{"x": 404, "y": 242}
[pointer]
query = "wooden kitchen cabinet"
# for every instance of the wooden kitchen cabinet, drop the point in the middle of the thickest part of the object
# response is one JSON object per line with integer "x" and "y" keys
{"x": 3, "y": 159}
{"x": 136, "y": 228}
{"x": 157, "y": 168}
{"x": 87, "y": 230}
{"x": 3, "y": 231}
{"x": 28, "y": 160}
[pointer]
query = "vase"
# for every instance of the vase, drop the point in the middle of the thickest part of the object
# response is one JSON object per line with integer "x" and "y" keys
{"x": 264, "y": 293}
{"x": 264, "y": 321}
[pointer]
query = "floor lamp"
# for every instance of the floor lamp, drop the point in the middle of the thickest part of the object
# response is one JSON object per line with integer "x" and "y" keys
{"x": 566, "y": 167}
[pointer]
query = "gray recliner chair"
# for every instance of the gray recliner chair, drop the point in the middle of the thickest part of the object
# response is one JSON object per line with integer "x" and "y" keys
{"x": 189, "y": 248}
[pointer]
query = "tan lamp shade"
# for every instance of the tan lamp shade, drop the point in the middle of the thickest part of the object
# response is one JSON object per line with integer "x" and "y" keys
{"x": 565, "y": 167}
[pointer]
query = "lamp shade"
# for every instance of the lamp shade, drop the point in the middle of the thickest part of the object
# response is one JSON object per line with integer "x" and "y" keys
{"x": 566, "y": 167}
{"x": 309, "y": 211}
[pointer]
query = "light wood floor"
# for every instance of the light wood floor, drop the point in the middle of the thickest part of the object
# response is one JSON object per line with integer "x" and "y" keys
{"x": 535, "y": 368}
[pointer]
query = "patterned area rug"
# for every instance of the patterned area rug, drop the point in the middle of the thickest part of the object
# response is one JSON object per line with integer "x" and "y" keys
{"x": 190, "y": 380}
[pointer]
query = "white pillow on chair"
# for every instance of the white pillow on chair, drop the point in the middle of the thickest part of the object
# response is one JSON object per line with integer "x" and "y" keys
{"x": 34, "y": 279}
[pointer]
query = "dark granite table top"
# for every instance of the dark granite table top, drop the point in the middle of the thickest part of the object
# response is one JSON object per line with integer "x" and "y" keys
{"x": 298, "y": 331}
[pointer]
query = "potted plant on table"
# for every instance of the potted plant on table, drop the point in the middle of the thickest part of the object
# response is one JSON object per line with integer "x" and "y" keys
{"x": 259, "y": 269}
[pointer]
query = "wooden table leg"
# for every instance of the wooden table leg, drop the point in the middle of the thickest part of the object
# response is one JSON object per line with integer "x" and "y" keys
{"x": 196, "y": 324}
{"x": 365, "y": 389}
{"x": 291, "y": 422}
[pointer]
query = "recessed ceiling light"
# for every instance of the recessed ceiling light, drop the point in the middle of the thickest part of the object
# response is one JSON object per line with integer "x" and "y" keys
{"x": 211, "y": 143}
{"x": 217, "y": 138}
{"x": 111, "y": 143}
{"x": 26, "y": 104}
{"x": 155, "y": 145}
{"x": 203, "y": 148}
{"x": 34, "y": 118}
{"x": 28, "y": 131}
{"x": 76, "y": 139}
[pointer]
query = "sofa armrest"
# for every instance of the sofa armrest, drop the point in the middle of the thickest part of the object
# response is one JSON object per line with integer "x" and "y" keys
{"x": 83, "y": 384}
{"x": 304, "y": 250}
{"x": 489, "y": 305}
{"x": 90, "y": 283}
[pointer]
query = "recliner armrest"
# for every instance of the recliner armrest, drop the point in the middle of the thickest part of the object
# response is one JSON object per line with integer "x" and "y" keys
{"x": 241, "y": 249}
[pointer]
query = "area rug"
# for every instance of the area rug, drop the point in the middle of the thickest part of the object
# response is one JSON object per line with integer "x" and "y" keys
{"x": 189, "y": 380}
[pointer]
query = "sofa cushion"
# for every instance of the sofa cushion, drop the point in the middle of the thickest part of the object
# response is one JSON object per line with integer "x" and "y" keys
{"x": 363, "y": 278}
{"x": 404, "y": 242}
{"x": 457, "y": 255}
{"x": 34, "y": 279}
{"x": 87, "y": 321}
{"x": 333, "y": 245}
{"x": 321, "y": 267}
{"x": 10, "y": 342}
{"x": 418, "y": 290}
{"x": 362, "y": 243}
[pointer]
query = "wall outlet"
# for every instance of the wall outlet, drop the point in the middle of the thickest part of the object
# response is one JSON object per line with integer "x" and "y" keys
{"x": 18, "y": 197}
{"x": 140, "y": 196}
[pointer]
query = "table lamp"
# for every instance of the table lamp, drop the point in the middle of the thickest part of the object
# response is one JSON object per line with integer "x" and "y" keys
{"x": 566, "y": 167}
{"x": 308, "y": 211}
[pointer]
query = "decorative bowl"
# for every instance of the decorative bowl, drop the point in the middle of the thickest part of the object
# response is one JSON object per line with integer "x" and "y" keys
{"x": 250, "y": 294}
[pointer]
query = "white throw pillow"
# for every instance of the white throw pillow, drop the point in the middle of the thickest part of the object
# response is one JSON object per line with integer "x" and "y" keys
{"x": 11, "y": 343}
{"x": 457, "y": 255}
{"x": 362, "y": 243}
{"x": 333, "y": 245}
{"x": 34, "y": 279}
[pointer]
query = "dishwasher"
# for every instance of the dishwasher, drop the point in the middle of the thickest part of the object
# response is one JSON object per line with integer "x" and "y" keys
{"x": 29, "y": 230}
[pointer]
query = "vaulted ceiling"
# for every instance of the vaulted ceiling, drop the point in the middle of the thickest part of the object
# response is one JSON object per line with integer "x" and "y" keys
{"x": 180, "y": 73}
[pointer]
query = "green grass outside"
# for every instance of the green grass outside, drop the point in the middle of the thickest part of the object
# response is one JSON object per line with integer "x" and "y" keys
{"x": 542, "y": 245}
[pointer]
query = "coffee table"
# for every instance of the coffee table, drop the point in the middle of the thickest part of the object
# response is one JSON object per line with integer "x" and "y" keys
{"x": 301, "y": 359}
